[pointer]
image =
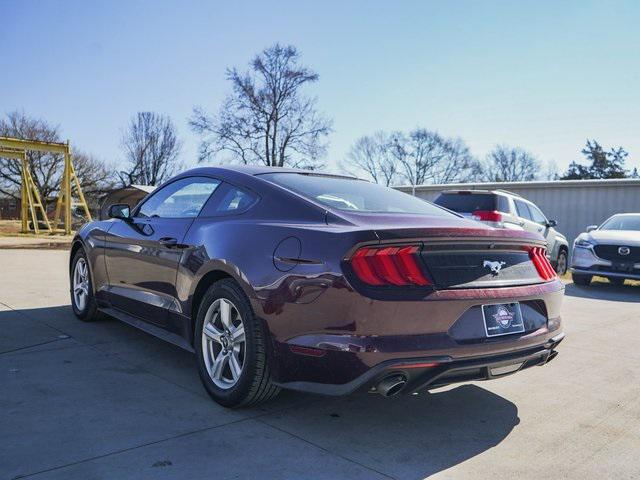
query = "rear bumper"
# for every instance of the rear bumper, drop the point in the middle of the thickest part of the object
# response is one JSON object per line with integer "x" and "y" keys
{"x": 344, "y": 340}
{"x": 431, "y": 372}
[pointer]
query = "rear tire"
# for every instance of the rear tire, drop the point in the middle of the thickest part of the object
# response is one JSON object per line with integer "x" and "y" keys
{"x": 244, "y": 379}
{"x": 561, "y": 263}
{"x": 83, "y": 301}
{"x": 581, "y": 279}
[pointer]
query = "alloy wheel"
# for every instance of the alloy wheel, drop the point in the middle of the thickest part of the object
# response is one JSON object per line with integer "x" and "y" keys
{"x": 81, "y": 284}
{"x": 561, "y": 267}
{"x": 223, "y": 343}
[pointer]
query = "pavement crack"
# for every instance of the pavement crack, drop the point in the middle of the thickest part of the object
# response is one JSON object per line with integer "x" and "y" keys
{"x": 35, "y": 345}
{"x": 186, "y": 434}
{"x": 129, "y": 449}
{"x": 308, "y": 442}
{"x": 21, "y": 312}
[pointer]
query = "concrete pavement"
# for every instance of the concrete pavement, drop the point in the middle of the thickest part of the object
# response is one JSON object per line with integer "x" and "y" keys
{"x": 103, "y": 400}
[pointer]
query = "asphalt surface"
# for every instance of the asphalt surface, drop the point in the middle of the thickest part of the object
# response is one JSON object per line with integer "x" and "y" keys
{"x": 103, "y": 400}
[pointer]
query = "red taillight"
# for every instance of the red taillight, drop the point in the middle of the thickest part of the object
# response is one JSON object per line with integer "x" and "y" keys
{"x": 487, "y": 215}
{"x": 413, "y": 365}
{"x": 540, "y": 261}
{"x": 389, "y": 266}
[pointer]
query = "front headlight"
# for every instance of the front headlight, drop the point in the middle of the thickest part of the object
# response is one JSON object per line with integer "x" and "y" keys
{"x": 581, "y": 242}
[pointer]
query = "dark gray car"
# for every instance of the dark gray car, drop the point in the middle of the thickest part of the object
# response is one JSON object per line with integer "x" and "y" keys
{"x": 279, "y": 278}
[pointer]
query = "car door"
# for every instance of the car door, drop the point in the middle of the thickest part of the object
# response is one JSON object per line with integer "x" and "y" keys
{"x": 142, "y": 254}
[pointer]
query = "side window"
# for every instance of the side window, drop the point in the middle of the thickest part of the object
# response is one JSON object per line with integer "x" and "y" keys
{"x": 503, "y": 204}
{"x": 523, "y": 209}
{"x": 537, "y": 215}
{"x": 234, "y": 201}
{"x": 183, "y": 198}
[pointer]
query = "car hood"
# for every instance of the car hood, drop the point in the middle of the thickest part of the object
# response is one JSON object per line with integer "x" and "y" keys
{"x": 626, "y": 237}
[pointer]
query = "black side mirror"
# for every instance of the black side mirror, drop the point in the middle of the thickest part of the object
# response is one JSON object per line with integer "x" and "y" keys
{"x": 121, "y": 211}
{"x": 552, "y": 223}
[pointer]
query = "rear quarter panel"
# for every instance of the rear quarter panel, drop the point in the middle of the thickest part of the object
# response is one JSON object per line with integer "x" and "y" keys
{"x": 245, "y": 249}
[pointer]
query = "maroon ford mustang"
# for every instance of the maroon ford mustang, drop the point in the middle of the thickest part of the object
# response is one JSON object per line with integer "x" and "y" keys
{"x": 282, "y": 278}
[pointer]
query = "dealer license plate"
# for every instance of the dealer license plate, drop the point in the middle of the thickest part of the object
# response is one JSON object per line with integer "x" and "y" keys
{"x": 502, "y": 319}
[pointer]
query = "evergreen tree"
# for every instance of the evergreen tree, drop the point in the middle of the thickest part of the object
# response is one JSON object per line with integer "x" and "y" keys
{"x": 603, "y": 164}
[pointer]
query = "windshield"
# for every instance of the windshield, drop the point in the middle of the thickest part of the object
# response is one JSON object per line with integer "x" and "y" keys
{"x": 353, "y": 195}
{"x": 622, "y": 222}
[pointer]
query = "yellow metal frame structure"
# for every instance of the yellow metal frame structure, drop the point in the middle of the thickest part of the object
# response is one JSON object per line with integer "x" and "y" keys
{"x": 16, "y": 149}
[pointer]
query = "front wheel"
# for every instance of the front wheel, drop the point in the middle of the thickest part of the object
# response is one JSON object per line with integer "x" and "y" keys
{"x": 82, "y": 300}
{"x": 231, "y": 350}
{"x": 581, "y": 279}
{"x": 561, "y": 263}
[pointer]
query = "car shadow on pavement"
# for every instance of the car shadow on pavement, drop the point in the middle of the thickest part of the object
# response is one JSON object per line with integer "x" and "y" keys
{"x": 604, "y": 291}
{"x": 407, "y": 436}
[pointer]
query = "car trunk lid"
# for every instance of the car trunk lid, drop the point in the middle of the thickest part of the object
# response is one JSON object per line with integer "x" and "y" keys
{"x": 456, "y": 253}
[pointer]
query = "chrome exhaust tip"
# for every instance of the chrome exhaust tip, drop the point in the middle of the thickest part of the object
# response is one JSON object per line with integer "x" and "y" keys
{"x": 391, "y": 385}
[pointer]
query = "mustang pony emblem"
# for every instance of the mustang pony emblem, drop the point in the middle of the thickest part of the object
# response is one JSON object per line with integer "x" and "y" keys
{"x": 494, "y": 266}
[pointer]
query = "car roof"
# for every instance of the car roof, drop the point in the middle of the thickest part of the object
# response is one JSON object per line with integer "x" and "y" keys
{"x": 467, "y": 191}
{"x": 254, "y": 170}
{"x": 498, "y": 191}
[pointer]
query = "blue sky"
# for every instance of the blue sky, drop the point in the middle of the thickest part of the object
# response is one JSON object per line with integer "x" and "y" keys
{"x": 541, "y": 75}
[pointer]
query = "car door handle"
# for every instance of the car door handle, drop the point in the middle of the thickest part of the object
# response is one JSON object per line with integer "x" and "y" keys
{"x": 168, "y": 242}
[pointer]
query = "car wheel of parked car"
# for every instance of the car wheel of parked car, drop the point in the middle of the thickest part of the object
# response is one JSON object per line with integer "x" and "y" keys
{"x": 580, "y": 279}
{"x": 561, "y": 263}
{"x": 616, "y": 280}
{"x": 82, "y": 299}
{"x": 231, "y": 350}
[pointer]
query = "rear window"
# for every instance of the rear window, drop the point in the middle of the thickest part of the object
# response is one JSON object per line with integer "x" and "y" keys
{"x": 352, "y": 194}
{"x": 467, "y": 202}
{"x": 235, "y": 200}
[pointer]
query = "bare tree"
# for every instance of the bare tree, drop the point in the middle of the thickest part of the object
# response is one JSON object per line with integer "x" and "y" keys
{"x": 96, "y": 177}
{"x": 372, "y": 156}
{"x": 509, "y": 164}
{"x": 459, "y": 164}
{"x": 551, "y": 171}
{"x": 267, "y": 120}
{"x": 427, "y": 157}
{"x": 151, "y": 148}
{"x": 46, "y": 168}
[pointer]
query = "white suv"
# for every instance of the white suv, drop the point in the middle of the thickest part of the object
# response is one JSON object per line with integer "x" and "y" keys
{"x": 502, "y": 209}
